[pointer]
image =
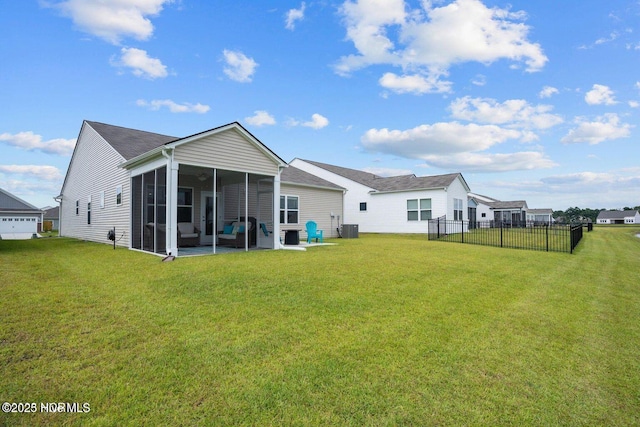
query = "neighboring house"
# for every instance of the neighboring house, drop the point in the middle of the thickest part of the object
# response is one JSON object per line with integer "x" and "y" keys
{"x": 479, "y": 207}
{"x": 18, "y": 219}
{"x": 154, "y": 189}
{"x": 306, "y": 197}
{"x": 53, "y": 215}
{"x": 618, "y": 217}
{"x": 397, "y": 204}
{"x": 540, "y": 216}
{"x": 498, "y": 211}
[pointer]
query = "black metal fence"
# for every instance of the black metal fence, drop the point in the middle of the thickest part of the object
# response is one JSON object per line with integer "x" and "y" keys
{"x": 515, "y": 235}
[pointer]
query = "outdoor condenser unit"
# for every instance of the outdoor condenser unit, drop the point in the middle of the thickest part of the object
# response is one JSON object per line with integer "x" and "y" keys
{"x": 349, "y": 231}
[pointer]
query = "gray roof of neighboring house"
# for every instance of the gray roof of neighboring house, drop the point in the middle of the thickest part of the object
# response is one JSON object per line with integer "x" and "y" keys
{"x": 293, "y": 175}
{"x": 393, "y": 183}
{"x": 53, "y": 213}
{"x": 616, "y": 214}
{"x": 130, "y": 142}
{"x": 515, "y": 204}
{"x": 540, "y": 211}
{"x": 11, "y": 203}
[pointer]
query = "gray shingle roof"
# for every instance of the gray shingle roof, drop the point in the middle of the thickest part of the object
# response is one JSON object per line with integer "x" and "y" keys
{"x": 393, "y": 183}
{"x": 130, "y": 142}
{"x": 12, "y": 203}
{"x": 293, "y": 175}
{"x": 514, "y": 204}
{"x": 540, "y": 211}
{"x": 616, "y": 214}
{"x": 53, "y": 213}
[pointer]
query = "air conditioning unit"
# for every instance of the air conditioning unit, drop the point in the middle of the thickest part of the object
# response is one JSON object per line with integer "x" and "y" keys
{"x": 349, "y": 231}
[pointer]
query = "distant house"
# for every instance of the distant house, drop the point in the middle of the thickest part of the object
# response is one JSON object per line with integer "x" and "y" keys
{"x": 498, "y": 211}
{"x": 53, "y": 215}
{"x": 618, "y": 217}
{"x": 540, "y": 216}
{"x": 396, "y": 204}
{"x": 18, "y": 219}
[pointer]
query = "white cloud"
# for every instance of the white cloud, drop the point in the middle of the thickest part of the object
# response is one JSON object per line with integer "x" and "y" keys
{"x": 513, "y": 112}
{"x": 261, "y": 118}
{"x": 294, "y": 15}
{"x": 30, "y": 141}
{"x": 239, "y": 67}
{"x": 174, "y": 107}
{"x": 548, "y": 92}
{"x": 634, "y": 104}
{"x": 438, "y": 138}
{"x": 607, "y": 127}
{"x": 47, "y": 173}
{"x": 432, "y": 39}
{"x": 455, "y": 146}
{"x": 416, "y": 83}
{"x": 317, "y": 121}
{"x": 484, "y": 162}
{"x": 141, "y": 63}
{"x": 600, "y": 94}
{"x": 113, "y": 20}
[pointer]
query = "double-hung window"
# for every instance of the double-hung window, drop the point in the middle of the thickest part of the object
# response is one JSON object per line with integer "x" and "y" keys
{"x": 289, "y": 209}
{"x": 418, "y": 209}
{"x": 118, "y": 195}
{"x": 457, "y": 209}
{"x": 185, "y": 204}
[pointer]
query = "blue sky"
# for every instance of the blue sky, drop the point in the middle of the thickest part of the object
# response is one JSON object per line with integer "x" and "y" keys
{"x": 535, "y": 101}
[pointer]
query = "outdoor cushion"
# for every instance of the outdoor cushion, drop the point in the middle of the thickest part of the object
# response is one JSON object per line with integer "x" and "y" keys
{"x": 228, "y": 229}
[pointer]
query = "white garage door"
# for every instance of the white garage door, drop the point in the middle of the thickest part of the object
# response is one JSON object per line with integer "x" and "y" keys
{"x": 18, "y": 225}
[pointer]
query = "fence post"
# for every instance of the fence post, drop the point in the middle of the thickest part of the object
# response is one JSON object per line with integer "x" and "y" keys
{"x": 501, "y": 233}
{"x": 462, "y": 230}
{"x": 546, "y": 227}
{"x": 438, "y": 228}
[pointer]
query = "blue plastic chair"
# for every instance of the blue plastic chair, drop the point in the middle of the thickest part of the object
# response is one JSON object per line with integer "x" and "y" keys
{"x": 313, "y": 232}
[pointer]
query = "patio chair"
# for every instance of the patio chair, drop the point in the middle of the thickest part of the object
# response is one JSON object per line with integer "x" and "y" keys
{"x": 313, "y": 232}
{"x": 188, "y": 235}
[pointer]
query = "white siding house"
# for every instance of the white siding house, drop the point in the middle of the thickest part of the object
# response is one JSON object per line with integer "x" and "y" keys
{"x": 400, "y": 204}
{"x": 18, "y": 219}
{"x": 618, "y": 217}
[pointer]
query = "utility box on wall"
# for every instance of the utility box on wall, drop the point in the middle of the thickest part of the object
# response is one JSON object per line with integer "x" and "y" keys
{"x": 350, "y": 231}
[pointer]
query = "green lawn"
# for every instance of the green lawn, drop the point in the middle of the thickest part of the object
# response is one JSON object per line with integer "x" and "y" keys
{"x": 380, "y": 330}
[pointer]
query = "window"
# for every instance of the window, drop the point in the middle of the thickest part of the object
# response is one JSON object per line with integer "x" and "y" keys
{"x": 457, "y": 209}
{"x": 118, "y": 195}
{"x": 89, "y": 210}
{"x": 483, "y": 214}
{"x": 418, "y": 209}
{"x": 185, "y": 204}
{"x": 102, "y": 200}
{"x": 77, "y": 207}
{"x": 289, "y": 209}
{"x": 363, "y": 206}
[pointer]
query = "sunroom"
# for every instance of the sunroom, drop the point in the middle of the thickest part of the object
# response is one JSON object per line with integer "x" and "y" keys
{"x": 213, "y": 192}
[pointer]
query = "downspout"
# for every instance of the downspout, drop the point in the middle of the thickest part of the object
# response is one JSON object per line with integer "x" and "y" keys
{"x": 168, "y": 208}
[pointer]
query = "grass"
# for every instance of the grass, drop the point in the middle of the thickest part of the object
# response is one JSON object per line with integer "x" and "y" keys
{"x": 380, "y": 330}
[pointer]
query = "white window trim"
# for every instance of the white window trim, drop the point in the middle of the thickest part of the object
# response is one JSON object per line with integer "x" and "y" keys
{"x": 286, "y": 209}
{"x": 419, "y": 210}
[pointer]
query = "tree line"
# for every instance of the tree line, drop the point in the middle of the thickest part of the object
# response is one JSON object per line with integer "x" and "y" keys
{"x": 581, "y": 215}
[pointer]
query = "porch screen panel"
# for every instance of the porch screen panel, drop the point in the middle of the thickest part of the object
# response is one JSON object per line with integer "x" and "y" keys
{"x": 161, "y": 210}
{"x": 136, "y": 212}
{"x": 148, "y": 210}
